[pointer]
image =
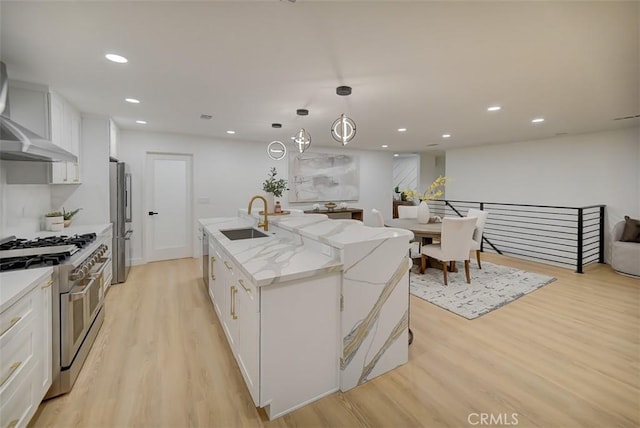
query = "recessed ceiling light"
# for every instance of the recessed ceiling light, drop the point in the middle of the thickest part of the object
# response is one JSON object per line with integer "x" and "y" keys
{"x": 395, "y": 155}
{"x": 494, "y": 108}
{"x": 446, "y": 135}
{"x": 402, "y": 129}
{"x": 384, "y": 146}
{"x": 537, "y": 120}
{"x": 141, "y": 122}
{"x": 132, "y": 100}
{"x": 231, "y": 132}
{"x": 116, "y": 58}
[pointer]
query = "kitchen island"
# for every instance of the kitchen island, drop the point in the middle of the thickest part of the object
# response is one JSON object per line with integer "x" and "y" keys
{"x": 316, "y": 306}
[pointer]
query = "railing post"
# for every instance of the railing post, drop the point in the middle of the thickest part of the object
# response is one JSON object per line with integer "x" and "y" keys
{"x": 481, "y": 239}
{"x": 579, "y": 253}
{"x": 601, "y": 249}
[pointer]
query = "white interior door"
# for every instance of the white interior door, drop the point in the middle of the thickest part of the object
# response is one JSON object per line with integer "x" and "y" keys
{"x": 168, "y": 206}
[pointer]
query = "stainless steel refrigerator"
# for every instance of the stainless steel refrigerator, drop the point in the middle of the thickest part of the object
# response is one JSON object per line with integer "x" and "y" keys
{"x": 120, "y": 207}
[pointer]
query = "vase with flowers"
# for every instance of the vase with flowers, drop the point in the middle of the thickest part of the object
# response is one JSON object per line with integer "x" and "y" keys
{"x": 273, "y": 188}
{"x": 433, "y": 192}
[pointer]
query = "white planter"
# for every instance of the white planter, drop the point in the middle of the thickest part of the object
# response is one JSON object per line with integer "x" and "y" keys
{"x": 54, "y": 224}
{"x": 423, "y": 212}
{"x": 270, "y": 201}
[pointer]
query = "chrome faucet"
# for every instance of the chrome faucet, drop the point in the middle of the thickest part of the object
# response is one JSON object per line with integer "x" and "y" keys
{"x": 264, "y": 223}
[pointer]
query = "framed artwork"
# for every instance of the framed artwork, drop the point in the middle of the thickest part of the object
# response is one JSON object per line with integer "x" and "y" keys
{"x": 318, "y": 177}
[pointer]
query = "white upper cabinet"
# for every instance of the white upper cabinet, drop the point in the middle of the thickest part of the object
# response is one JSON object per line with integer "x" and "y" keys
{"x": 65, "y": 124}
{"x": 46, "y": 113}
{"x": 53, "y": 118}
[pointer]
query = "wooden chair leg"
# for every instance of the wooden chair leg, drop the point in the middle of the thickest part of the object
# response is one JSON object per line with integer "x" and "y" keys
{"x": 478, "y": 257}
{"x": 452, "y": 266}
{"x": 444, "y": 271}
{"x": 423, "y": 264}
{"x": 467, "y": 263}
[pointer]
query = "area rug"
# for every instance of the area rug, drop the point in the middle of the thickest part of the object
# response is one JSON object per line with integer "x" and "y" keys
{"x": 491, "y": 287}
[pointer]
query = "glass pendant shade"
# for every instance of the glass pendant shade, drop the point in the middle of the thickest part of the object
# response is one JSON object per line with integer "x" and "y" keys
{"x": 302, "y": 140}
{"x": 343, "y": 129}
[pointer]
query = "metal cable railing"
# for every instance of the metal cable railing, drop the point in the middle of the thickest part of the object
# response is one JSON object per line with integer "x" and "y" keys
{"x": 566, "y": 236}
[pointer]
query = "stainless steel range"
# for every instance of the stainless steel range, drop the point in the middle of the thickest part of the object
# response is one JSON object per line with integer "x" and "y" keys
{"x": 79, "y": 264}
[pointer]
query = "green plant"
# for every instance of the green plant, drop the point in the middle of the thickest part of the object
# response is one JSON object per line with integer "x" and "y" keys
{"x": 54, "y": 214}
{"x": 271, "y": 185}
{"x": 69, "y": 214}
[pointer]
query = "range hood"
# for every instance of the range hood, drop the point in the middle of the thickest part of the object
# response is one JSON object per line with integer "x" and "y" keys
{"x": 19, "y": 143}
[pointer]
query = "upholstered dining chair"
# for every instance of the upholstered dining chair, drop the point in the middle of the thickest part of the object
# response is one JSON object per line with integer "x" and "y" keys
{"x": 378, "y": 220}
{"x": 407, "y": 211}
{"x": 455, "y": 244}
{"x": 477, "y": 234}
{"x": 411, "y": 211}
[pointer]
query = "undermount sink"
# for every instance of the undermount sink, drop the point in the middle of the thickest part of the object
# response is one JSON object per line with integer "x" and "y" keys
{"x": 246, "y": 233}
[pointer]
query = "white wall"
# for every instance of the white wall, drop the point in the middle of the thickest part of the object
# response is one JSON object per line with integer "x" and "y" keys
{"x": 578, "y": 170}
{"x": 228, "y": 172}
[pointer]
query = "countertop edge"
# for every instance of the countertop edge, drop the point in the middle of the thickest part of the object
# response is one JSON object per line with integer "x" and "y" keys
{"x": 40, "y": 274}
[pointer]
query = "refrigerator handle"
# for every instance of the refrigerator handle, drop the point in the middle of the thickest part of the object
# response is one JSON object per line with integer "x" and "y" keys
{"x": 127, "y": 198}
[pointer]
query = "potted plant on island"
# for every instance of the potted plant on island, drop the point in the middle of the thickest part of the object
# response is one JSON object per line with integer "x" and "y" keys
{"x": 68, "y": 215}
{"x": 273, "y": 188}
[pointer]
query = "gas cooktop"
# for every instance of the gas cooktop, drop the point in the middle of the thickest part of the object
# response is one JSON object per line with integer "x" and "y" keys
{"x": 49, "y": 251}
{"x": 49, "y": 241}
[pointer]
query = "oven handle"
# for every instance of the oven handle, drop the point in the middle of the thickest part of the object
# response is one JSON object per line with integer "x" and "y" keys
{"x": 94, "y": 277}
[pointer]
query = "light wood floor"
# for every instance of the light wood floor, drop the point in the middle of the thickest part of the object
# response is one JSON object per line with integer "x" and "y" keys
{"x": 566, "y": 355}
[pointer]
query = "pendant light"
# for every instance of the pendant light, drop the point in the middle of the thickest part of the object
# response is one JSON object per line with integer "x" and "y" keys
{"x": 343, "y": 128}
{"x": 276, "y": 150}
{"x": 302, "y": 139}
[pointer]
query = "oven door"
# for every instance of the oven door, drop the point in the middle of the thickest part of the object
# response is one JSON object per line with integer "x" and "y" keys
{"x": 78, "y": 309}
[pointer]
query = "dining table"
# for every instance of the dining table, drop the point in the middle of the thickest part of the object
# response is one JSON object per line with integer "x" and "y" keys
{"x": 425, "y": 231}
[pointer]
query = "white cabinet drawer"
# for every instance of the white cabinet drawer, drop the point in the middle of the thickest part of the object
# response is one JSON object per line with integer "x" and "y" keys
{"x": 15, "y": 315}
{"x": 17, "y": 404}
{"x": 16, "y": 351}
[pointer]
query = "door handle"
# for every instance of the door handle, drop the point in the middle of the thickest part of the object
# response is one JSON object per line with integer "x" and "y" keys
{"x": 152, "y": 213}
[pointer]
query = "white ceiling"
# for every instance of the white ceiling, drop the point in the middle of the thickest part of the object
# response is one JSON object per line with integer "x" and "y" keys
{"x": 431, "y": 67}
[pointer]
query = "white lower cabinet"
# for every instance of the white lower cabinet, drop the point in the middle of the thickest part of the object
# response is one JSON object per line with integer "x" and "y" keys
{"x": 216, "y": 277}
{"x": 25, "y": 355}
{"x": 247, "y": 308}
{"x": 229, "y": 306}
{"x": 284, "y": 337}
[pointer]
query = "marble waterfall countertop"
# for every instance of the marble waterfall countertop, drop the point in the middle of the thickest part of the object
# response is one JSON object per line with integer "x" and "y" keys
{"x": 273, "y": 259}
{"x": 288, "y": 256}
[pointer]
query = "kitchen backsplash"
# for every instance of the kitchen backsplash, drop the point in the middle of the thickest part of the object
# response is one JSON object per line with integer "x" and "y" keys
{"x": 23, "y": 207}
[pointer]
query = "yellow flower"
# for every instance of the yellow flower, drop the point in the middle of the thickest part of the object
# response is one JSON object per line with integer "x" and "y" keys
{"x": 433, "y": 191}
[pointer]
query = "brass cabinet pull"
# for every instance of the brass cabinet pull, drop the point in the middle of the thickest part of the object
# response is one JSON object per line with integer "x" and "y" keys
{"x": 248, "y": 290}
{"x": 226, "y": 263}
{"x": 48, "y": 284}
{"x": 13, "y": 423}
{"x": 12, "y": 369}
{"x": 13, "y": 321}
{"x": 234, "y": 292}
{"x": 213, "y": 260}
